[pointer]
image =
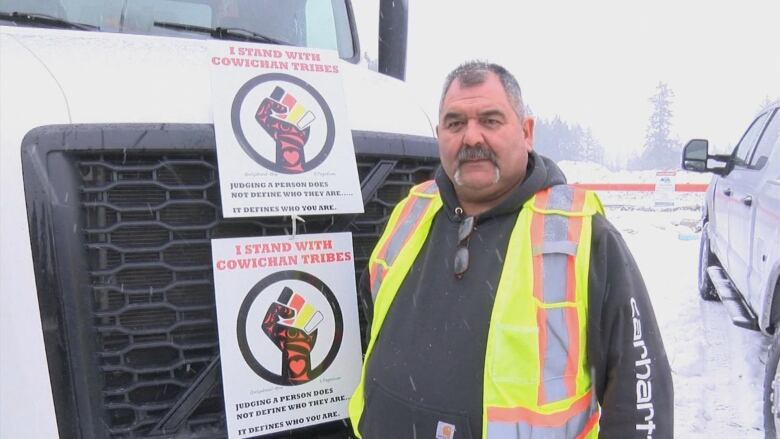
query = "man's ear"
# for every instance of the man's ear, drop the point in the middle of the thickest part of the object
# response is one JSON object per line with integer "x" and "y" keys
{"x": 528, "y": 132}
{"x": 437, "y": 131}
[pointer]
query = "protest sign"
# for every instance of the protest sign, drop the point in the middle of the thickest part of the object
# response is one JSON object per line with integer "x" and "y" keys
{"x": 284, "y": 144}
{"x": 289, "y": 333}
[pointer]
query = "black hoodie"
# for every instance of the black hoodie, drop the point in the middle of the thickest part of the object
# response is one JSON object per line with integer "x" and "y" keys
{"x": 427, "y": 364}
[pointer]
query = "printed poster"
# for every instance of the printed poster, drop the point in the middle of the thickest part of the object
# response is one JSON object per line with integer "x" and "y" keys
{"x": 665, "y": 188}
{"x": 289, "y": 333}
{"x": 284, "y": 144}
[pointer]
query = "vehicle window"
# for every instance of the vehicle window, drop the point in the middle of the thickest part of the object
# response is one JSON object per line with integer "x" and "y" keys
{"x": 745, "y": 146}
{"x": 329, "y": 16}
{"x": 765, "y": 145}
{"x": 140, "y": 15}
{"x": 318, "y": 24}
{"x": 47, "y": 7}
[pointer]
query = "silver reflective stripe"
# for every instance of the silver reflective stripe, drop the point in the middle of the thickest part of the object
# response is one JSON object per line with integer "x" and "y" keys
{"x": 555, "y": 278}
{"x": 431, "y": 189}
{"x": 555, "y": 358}
{"x": 405, "y": 228}
{"x": 564, "y": 247}
{"x": 561, "y": 198}
{"x": 503, "y": 430}
{"x": 522, "y": 429}
{"x": 379, "y": 274}
{"x": 556, "y": 228}
{"x": 554, "y": 271}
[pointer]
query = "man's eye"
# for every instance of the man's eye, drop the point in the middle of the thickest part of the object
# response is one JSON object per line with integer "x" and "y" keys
{"x": 454, "y": 124}
{"x": 491, "y": 122}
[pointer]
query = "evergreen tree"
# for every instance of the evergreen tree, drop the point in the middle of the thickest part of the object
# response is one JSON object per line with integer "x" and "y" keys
{"x": 558, "y": 140}
{"x": 592, "y": 150}
{"x": 660, "y": 150}
{"x": 544, "y": 143}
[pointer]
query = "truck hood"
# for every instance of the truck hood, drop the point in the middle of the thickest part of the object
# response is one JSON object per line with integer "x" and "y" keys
{"x": 120, "y": 78}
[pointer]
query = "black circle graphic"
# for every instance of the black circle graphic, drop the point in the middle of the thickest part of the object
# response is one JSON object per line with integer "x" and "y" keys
{"x": 235, "y": 120}
{"x": 261, "y": 286}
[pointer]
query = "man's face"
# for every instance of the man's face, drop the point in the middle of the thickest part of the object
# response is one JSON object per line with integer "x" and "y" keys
{"x": 483, "y": 144}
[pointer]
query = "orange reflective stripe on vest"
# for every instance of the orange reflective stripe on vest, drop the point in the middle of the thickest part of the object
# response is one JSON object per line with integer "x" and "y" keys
{"x": 522, "y": 423}
{"x": 537, "y": 384}
{"x": 554, "y": 241}
{"x": 406, "y": 224}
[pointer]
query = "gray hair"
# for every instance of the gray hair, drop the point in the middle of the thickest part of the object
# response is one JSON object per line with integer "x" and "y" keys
{"x": 473, "y": 73}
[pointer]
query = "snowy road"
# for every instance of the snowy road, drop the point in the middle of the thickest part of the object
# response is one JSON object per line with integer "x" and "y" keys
{"x": 718, "y": 368}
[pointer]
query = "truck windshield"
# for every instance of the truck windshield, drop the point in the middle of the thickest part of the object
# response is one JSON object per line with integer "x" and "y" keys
{"x": 322, "y": 24}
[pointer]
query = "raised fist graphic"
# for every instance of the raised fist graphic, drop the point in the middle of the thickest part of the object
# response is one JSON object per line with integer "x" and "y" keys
{"x": 287, "y": 122}
{"x": 291, "y": 324}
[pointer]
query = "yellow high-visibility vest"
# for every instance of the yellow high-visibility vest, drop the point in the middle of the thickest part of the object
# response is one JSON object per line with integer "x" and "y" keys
{"x": 536, "y": 380}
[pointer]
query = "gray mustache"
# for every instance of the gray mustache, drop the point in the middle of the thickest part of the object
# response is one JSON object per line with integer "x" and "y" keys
{"x": 476, "y": 153}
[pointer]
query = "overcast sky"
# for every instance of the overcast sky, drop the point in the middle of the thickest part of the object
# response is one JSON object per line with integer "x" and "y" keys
{"x": 597, "y": 63}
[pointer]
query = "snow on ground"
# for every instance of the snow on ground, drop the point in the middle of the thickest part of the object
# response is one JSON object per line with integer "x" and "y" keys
{"x": 717, "y": 368}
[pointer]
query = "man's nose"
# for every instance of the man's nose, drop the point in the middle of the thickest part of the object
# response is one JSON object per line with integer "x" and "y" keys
{"x": 472, "y": 135}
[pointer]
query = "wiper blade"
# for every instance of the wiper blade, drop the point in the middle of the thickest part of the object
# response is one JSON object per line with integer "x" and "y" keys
{"x": 222, "y": 33}
{"x": 46, "y": 20}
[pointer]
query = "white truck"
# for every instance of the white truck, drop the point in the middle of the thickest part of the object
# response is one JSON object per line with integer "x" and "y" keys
{"x": 739, "y": 258}
{"x": 110, "y": 199}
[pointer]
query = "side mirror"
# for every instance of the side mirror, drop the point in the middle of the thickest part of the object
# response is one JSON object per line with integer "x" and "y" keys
{"x": 695, "y": 155}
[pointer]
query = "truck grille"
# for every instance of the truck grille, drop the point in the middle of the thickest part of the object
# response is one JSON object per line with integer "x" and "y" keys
{"x": 148, "y": 218}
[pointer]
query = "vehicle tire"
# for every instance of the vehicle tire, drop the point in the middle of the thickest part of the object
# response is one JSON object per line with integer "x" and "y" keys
{"x": 772, "y": 374}
{"x": 706, "y": 259}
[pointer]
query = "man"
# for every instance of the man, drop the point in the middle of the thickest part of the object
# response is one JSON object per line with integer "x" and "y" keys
{"x": 504, "y": 304}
